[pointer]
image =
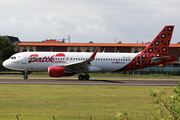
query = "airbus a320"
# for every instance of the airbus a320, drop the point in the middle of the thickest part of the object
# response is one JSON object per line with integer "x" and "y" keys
{"x": 60, "y": 64}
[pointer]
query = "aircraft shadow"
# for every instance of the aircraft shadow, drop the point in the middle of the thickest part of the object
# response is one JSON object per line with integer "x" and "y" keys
{"x": 108, "y": 81}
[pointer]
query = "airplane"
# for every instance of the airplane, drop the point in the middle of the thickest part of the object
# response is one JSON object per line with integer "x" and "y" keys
{"x": 60, "y": 64}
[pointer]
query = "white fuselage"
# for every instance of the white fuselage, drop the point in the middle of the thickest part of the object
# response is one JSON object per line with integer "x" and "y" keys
{"x": 40, "y": 61}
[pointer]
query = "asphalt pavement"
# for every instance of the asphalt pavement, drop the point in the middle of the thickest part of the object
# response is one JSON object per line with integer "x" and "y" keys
{"x": 123, "y": 81}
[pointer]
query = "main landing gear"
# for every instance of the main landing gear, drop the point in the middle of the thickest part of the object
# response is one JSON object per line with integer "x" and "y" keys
{"x": 85, "y": 77}
{"x": 25, "y": 75}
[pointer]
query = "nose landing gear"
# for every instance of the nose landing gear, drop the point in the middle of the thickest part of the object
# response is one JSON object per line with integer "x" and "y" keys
{"x": 25, "y": 75}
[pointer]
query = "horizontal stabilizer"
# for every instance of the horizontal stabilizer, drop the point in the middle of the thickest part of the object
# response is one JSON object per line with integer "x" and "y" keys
{"x": 159, "y": 59}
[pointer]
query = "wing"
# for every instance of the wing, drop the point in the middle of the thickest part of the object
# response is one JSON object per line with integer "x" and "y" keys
{"x": 81, "y": 65}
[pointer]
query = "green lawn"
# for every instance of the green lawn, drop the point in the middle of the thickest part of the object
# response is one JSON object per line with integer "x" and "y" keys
{"x": 40, "y": 102}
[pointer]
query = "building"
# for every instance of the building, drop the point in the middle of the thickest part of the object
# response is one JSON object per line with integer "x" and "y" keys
{"x": 13, "y": 39}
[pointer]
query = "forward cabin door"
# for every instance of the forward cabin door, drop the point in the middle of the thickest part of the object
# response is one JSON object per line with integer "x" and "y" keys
{"x": 23, "y": 59}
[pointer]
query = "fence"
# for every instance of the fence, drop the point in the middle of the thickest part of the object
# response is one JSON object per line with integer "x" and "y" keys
{"x": 55, "y": 119}
{"x": 156, "y": 70}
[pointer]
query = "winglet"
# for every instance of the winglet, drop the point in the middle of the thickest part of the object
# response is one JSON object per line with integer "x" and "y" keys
{"x": 94, "y": 54}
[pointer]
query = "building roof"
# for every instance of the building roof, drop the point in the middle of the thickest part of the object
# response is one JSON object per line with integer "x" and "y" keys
{"x": 13, "y": 39}
{"x": 87, "y": 44}
{"x": 51, "y": 41}
{"x": 174, "y": 45}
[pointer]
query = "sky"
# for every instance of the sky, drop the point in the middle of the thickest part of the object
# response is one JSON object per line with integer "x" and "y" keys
{"x": 100, "y": 21}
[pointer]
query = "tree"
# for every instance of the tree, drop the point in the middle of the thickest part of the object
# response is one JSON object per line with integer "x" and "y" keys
{"x": 6, "y": 49}
{"x": 169, "y": 105}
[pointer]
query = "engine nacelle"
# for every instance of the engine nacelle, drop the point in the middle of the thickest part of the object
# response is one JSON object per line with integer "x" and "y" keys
{"x": 58, "y": 72}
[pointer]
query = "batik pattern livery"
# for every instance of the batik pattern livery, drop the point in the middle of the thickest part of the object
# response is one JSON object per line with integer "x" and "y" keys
{"x": 157, "y": 48}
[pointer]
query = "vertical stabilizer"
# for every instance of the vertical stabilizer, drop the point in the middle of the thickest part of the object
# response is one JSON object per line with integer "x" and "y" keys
{"x": 160, "y": 44}
{"x": 155, "y": 53}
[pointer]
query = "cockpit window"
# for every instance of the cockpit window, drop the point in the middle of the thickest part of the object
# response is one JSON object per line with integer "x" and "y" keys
{"x": 13, "y": 57}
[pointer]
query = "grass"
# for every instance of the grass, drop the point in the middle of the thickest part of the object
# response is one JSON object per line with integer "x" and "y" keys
{"x": 40, "y": 102}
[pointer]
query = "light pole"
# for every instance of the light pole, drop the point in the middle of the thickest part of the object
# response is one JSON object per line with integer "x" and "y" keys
{"x": 1, "y": 57}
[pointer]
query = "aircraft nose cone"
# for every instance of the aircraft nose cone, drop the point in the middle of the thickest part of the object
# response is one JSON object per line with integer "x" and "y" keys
{"x": 5, "y": 64}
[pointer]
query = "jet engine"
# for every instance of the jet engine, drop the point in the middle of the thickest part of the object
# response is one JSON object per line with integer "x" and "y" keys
{"x": 59, "y": 72}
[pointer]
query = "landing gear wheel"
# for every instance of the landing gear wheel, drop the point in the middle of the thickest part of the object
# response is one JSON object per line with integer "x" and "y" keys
{"x": 81, "y": 77}
{"x": 25, "y": 77}
{"x": 86, "y": 77}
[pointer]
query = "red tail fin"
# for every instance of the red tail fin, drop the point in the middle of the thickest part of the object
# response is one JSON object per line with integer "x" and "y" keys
{"x": 155, "y": 53}
{"x": 160, "y": 44}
